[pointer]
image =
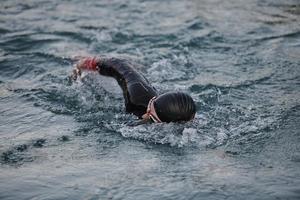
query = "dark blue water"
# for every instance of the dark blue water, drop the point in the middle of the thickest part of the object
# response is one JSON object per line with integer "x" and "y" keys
{"x": 240, "y": 61}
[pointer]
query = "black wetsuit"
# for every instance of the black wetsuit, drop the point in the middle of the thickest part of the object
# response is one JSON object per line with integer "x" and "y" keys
{"x": 136, "y": 88}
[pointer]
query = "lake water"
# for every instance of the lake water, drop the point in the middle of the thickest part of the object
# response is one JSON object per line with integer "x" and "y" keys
{"x": 239, "y": 60}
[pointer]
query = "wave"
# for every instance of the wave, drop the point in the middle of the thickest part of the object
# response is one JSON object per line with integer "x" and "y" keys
{"x": 20, "y": 154}
{"x": 174, "y": 135}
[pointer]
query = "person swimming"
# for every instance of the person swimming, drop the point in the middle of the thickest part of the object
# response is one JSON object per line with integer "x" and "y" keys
{"x": 141, "y": 99}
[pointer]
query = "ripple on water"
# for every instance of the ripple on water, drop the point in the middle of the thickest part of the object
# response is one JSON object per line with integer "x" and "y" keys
{"x": 239, "y": 60}
{"x": 20, "y": 154}
{"x": 179, "y": 135}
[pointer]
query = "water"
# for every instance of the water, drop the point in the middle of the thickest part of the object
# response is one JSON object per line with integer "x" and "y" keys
{"x": 238, "y": 59}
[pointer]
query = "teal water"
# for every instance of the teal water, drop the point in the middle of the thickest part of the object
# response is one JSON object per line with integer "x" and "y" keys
{"x": 239, "y": 60}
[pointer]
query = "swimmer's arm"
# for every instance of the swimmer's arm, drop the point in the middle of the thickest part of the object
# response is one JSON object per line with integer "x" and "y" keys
{"x": 105, "y": 66}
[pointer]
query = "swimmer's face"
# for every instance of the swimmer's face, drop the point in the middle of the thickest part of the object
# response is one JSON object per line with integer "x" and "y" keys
{"x": 151, "y": 113}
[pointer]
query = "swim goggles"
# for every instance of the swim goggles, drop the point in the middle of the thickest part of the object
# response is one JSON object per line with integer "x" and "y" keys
{"x": 151, "y": 113}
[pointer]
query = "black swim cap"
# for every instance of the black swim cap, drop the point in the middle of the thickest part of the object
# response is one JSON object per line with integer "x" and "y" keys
{"x": 174, "y": 107}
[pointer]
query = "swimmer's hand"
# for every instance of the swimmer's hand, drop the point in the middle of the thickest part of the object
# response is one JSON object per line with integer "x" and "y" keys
{"x": 85, "y": 63}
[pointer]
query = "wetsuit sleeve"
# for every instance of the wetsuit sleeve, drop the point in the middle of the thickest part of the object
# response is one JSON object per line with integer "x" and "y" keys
{"x": 136, "y": 88}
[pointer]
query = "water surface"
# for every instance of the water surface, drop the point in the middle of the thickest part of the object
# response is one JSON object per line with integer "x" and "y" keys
{"x": 238, "y": 59}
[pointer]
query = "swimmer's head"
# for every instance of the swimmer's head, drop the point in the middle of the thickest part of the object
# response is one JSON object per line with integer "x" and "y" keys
{"x": 171, "y": 107}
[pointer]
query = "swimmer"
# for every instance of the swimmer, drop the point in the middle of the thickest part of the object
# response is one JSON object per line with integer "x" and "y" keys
{"x": 141, "y": 99}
